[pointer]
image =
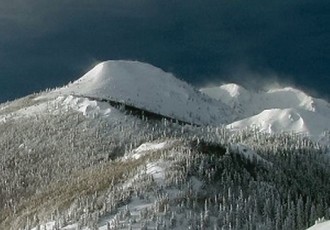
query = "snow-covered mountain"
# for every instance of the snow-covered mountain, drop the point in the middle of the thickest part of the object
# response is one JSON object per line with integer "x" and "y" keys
{"x": 146, "y": 87}
{"x": 274, "y": 111}
{"x": 105, "y": 152}
{"x": 150, "y": 89}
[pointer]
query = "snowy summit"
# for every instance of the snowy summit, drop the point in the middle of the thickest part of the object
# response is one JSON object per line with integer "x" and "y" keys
{"x": 147, "y": 87}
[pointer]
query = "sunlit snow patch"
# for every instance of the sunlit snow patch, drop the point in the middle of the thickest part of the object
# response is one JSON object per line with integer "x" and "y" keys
{"x": 145, "y": 148}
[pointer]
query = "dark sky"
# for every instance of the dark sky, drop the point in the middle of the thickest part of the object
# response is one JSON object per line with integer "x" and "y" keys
{"x": 49, "y": 43}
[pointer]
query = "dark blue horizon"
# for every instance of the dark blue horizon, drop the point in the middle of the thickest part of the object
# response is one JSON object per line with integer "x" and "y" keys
{"x": 252, "y": 43}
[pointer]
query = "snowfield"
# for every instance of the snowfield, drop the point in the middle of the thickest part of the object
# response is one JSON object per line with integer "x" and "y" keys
{"x": 275, "y": 111}
{"x": 286, "y": 120}
{"x": 251, "y": 102}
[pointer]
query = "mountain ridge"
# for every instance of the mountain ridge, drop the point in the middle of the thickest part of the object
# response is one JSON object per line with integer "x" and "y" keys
{"x": 141, "y": 86}
{"x": 276, "y": 110}
{"x": 84, "y": 157}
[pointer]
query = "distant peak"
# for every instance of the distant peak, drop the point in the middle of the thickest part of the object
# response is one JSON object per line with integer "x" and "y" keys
{"x": 227, "y": 93}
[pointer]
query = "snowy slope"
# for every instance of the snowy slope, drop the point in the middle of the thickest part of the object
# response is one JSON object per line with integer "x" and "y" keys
{"x": 233, "y": 95}
{"x": 155, "y": 174}
{"x": 273, "y": 111}
{"x": 321, "y": 226}
{"x": 285, "y": 120}
{"x": 147, "y": 87}
{"x": 32, "y": 107}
